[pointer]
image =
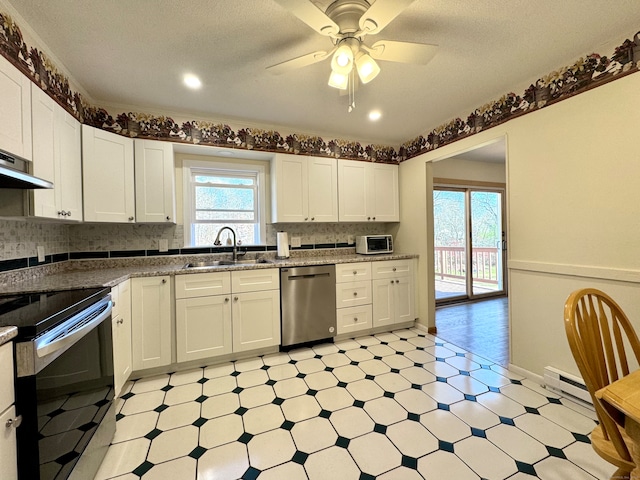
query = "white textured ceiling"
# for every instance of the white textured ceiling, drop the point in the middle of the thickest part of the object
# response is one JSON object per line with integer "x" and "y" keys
{"x": 134, "y": 53}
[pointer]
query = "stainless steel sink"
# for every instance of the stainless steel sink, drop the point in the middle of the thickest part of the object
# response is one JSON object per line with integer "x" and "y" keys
{"x": 223, "y": 263}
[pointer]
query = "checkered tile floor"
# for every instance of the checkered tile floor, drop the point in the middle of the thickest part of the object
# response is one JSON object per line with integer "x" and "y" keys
{"x": 401, "y": 405}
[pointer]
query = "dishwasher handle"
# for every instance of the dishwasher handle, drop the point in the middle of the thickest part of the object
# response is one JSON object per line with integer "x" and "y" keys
{"x": 311, "y": 275}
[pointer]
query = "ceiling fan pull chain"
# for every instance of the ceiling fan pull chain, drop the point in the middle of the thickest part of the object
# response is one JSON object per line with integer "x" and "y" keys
{"x": 352, "y": 91}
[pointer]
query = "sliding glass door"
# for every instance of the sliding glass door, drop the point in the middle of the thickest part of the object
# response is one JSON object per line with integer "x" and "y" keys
{"x": 469, "y": 243}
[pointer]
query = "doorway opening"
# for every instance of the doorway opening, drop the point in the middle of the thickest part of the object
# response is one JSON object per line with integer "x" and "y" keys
{"x": 469, "y": 243}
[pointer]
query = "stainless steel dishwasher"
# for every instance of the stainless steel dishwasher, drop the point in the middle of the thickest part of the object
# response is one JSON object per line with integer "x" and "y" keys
{"x": 308, "y": 302}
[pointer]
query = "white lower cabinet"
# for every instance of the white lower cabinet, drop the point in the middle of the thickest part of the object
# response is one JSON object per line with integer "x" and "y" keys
{"x": 226, "y": 312}
{"x": 151, "y": 322}
{"x": 353, "y": 297}
{"x": 8, "y": 459}
{"x": 121, "y": 327}
{"x": 393, "y": 292}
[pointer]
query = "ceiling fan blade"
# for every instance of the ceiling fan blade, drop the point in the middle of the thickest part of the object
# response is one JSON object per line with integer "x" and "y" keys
{"x": 404, "y": 52}
{"x": 380, "y": 14}
{"x": 298, "y": 62}
{"x": 311, "y": 15}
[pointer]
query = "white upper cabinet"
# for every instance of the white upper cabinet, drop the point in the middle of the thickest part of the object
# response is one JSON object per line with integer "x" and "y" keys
{"x": 304, "y": 189}
{"x": 368, "y": 192}
{"x": 155, "y": 182}
{"x": 15, "y": 111}
{"x": 57, "y": 157}
{"x": 108, "y": 178}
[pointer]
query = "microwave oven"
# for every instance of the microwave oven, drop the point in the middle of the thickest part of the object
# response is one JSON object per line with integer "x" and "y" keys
{"x": 372, "y": 244}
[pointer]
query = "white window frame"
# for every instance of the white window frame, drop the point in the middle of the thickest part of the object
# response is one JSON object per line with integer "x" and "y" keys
{"x": 228, "y": 169}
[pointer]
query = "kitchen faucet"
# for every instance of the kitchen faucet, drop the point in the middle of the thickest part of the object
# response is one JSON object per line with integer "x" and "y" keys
{"x": 235, "y": 245}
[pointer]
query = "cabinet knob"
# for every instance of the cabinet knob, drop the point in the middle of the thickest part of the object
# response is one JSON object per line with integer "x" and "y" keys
{"x": 164, "y": 280}
{"x": 394, "y": 269}
{"x": 397, "y": 281}
{"x": 120, "y": 322}
{"x": 68, "y": 213}
{"x": 131, "y": 219}
{"x": 355, "y": 319}
{"x": 306, "y": 218}
{"x": 14, "y": 422}
{"x": 355, "y": 272}
{"x": 368, "y": 218}
{"x": 61, "y": 213}
{"x": 391, "y": 281}
{"x": 226, "y": 300}
{"x": 355, "y": 294}
{"x": 235, "y": 299}
{"x": 313, "y": 218}
{"x": 168, "y": 217}
{"x": 113, "y": 304}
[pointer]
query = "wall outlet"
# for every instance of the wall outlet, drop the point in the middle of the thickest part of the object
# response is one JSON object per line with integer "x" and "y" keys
{"x": 296, "y": 242}
{"x": 351, "y": 239}
{"x": 40, "y": 250}
{"x": 163, "y": 245}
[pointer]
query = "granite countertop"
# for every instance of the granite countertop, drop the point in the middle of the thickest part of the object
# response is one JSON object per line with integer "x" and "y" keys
{"x": 108, "y": 273}
{"x": 7, "y": 333}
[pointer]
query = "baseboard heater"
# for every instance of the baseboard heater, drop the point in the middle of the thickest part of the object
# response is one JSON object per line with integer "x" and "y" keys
{"x": 565, "y": 383}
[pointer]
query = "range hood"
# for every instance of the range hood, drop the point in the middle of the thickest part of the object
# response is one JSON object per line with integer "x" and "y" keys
{"x": 13, "y": 174}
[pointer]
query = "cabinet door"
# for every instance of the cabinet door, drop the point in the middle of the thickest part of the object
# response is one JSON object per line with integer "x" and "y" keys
{"x": 8, "y": 452}
{"x": 15, "y": 111}
{"x": 323, "y": 189}
{"x": 68, "y": 183}
{"x": 403, "y": 299}
{"x": 255, "y": 279}
{"x": 7, "y": 394}
{"x": 203, "y": 327}
{"x": 382, "y": 189}
{"x": 122, "y": 334}
{"x": 352, "y": 192}
{"x": 256, "y": 320}
{"x": 290, "y": 192}
{"x": 43, "y": 109}
{"x": 383, "y": 302}
{"x": 155, "y": 184}
{"x": 151, "y": 322}
{"x": 107, "y": 174}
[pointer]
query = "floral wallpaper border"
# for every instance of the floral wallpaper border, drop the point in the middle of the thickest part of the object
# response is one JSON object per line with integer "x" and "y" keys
{"x": 584, "y": 74}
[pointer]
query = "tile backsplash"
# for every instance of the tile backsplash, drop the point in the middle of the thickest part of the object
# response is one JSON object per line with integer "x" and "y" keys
{"x": 19, "y": 239}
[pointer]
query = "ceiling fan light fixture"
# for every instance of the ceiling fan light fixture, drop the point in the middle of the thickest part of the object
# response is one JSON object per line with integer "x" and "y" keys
{"x": 338, "y": 80}
{"x": 342, "y": 61}
{"x": 367, "y": 67}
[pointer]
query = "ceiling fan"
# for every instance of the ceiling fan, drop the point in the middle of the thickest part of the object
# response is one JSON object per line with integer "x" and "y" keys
{"x": 347, "y": 22}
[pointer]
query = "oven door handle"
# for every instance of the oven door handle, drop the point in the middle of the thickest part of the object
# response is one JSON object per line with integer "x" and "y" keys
{"x": 45, "y": 346}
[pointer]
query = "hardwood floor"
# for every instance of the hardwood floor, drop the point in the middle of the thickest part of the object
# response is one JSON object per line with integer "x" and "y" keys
{"x": 481, "y": 327}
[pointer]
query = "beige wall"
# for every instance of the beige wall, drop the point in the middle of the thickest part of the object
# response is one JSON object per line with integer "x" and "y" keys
{"x": 573, "y": 174}
{"x": 470, "y": 170}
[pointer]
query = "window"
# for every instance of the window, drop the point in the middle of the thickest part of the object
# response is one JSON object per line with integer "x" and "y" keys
{"x": 218, "y": 195}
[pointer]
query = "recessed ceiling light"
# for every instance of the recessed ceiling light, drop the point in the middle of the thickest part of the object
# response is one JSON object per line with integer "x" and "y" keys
{"x": 375, "y": 115}
{"x": 192, "y": 81}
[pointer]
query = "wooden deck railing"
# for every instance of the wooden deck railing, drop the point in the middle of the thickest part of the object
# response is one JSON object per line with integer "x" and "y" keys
{"x": 450, "y": 262}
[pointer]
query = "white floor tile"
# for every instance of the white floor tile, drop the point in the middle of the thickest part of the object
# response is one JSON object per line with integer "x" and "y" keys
{"x": 365, "y": 390}
{"x": 441, "y": 369}
{"x": 325, "y": 349}
{"x": 475, "y": 415}
{"x": 583, "y": 455}
{"x": 279, "y": 358}
{"x": 445, "y": 426}
{"x": 334, "y": 398}
{"x": 288, "y": 471}
{"x": 183, "y": 393}
{"x": 224, "y": 462}
{"x": 405, "y": 333}
{"x": 179, "y": 415}
{"x": 135, "y": 426}
{"x": 440, "y": 352}
{"x": 351, "y": 422}
{"x": 150, "y": 384}
{"x": 374, "y": 453}
{"x": 415, "y": 401}
{"x": 248, "y": 364}
{"x": 300, "y": 408}
{"x": 281, "y": 372}
{"x": 348, "y": 373}
{"x": 443, "y": 392}
{"x": 270, "y": 449}
{"x": 397, "y": 361}
{"x": 291, "y": 387}
{"x": 374, "y": 367}
{"x": 400, "y": 473}
{"x": 143, "y": 402}
{"x": 443, "y": 465}
{"x": 517, "y": 444}
{"x": 173, "y": 444}
{"x": 421, "y": 342}
{"x": 221, "y": 430}
{"x": 186, "y": 377}
{"x": 544, "y": 430}
{"x": 468, "y": 385}
{"x": 501, "y": 405}
{"x": 385, "y": 411}
{"x": 262, "y": 419}
{"x": 553, "y": 468}
{"x": 256, "y": 396}
{"x": 490, "y": 378}
{"x": 252, "y": 378}
{"x": 567, "y": 418}
{"x": 347, "y": 345}
{"x": 485, "y": 459}
{"x": 367, "y": 341}
{"x": 401, "y": 346}
{"x": 221, "y": 370}
{"x": 462, "y": 363}
{"x": 362, "y": 355}
{"x": 524, "y": 396}
{"x": 314, "y": 434}
{"x": 412, "y": 438}
{"x": 184, "y": 467}
{"x": 217, "y": 386}
{"x": 301, "y": 354}
{"x": 392, "y": 382}
{"x": 335, "y": 360}
{"x": 220, "y": 405}
{"x": 310, "y": 365}
{"x": 123, "y": 458}
{"x": 321, "y": 380}
{"x": 420, "y": 356}
{"x": 331, "y": 464}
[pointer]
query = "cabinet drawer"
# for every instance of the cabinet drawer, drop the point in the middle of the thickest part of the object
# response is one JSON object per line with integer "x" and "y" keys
{"x": 352, "y": 294}
{"x": 6, "y": 376}
{"x": 353, "y": 272}
{"x": 203, "y": 284}
{"x": 353, "y": 319}
{"x": 255, "y": 280}
{"x": 392, "y": 268}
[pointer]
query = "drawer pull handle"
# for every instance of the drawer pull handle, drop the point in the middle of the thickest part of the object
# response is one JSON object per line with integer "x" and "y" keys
{"x": 397, "y": 281}
{"x": 355, "y": 294}
{"x": 355, "y": 319}
{"x": 355, "y": 272}
{"x": 391, "y": 281}
{"x": 120, "y": 321}
{"x": 394, "y": 269}
{"x": 14, "y": 422}
{"x": 226, "y": 300}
